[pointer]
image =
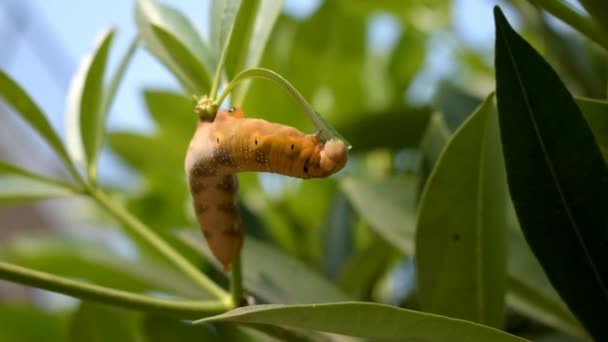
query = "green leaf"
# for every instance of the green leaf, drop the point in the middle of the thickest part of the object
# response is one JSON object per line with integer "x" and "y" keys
{"x": 252, "y": 27}
{"x": 85, "y": 117}
{"x": 81, "y": 259}
{"x": 407, "y": 59}
{"x": 95, "y": 322}
{"x": 388, "y": 207}
{"x": 223, "y": 15}
{"x": 367, "y": 320}
{"x": 460, "y": 236}
{"x": 171, "y": 38}
{"x": 26, "y": 324}
{"x": 118, "y": 76}
{"x": 455, "y": 104}
{"x": 557, "y": 178}
{"x": 596, "y": 114}
{"x": 15, "y": 191}
{"x": 274, "y": 276}
{"x": 22, "y": 104}
{"x": 10, "y": 169}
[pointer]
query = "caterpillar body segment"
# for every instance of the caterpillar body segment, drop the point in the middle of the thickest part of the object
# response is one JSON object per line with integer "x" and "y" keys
{"x": 232, "y": 144}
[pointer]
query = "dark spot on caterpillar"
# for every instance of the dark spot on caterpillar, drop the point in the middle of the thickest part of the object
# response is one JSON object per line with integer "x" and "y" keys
{"x": 306, "y": 167}
{"x": 228, "y": 184}
{"x": 292, "y": 147}
{"x": 256, "y": 142}
{"x": 197, "y": 187}
{"x": 202, "y": 170}
{"x": 200, "y": 208}
{"x": 231, "y": 109}
{"x": 456, "y": 237}
{"x": 228, "y": 208}
{"x": 218, "y": 140}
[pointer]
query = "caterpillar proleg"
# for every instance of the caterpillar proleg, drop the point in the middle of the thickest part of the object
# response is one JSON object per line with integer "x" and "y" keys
{"x": 232, "y": 144}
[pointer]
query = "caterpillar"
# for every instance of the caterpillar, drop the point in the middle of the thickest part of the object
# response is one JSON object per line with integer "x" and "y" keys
{"x": 232, "y": 144}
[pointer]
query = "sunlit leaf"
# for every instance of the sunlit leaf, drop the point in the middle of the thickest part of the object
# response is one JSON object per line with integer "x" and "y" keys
{"x": 15, "y": 97}
{"x": 85, "y": 116}
{"x": 367, "y": 320}
{"x": 172, "y": 39}
{"x": 460, "y": 236}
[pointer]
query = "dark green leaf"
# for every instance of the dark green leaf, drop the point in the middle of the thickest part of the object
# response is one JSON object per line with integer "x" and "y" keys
{"x": 27, "y": 324}
{"x": 529, "y": 290}
{"x": 100, "y": 323}
{"x": 460, "y": 234}
{"x": 367, "y": 320}
{"x": 557, "y": 178}
{"x": 85, "y": 114}
{"x": 388, "y": 207}
{"x": 397, "y": 128}
{"x": 15, "y": 97}
{"x": 274, "y": 276}
{"x": 172, "y": 39}
{"x": 596, "y": 114}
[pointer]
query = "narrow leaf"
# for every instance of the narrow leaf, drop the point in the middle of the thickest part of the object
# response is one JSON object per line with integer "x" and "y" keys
{"x": 223, "y": 15}
{"x": 460, "y": 236}
{"x": 10, "y": 169}
{"x": 387, "y": 206}
{"x": 85, "y": 117}
{"x": 171, "y": 38}
{"x": 367, "y": 320}
{"x": 118, "y": 76}
{"x": 252, "y": 28}
{"x": 15, "y": 191}
{"x": 557, "y": 178}
{"x": 22, "y": 104}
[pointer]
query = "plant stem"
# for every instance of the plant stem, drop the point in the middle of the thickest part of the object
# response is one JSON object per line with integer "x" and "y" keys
{"x": 574, "y": 18}
{"x": 236, "y": 282}
{"x": 160, "y": 245}
{"x": 182, "y": 308}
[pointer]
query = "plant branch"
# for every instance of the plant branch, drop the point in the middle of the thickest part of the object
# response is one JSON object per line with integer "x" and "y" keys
{"x": 236, "y": 282}
{"x": 160, "y": 245}
{"x": 574, "y": 18}
{"x": 182, "y": 308}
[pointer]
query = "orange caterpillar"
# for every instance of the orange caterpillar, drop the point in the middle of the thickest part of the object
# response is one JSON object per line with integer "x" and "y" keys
{"x": 233, "y": 143}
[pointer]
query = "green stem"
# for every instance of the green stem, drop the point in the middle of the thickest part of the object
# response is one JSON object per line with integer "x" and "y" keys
{"x": 574, "y": 18}
{"x": 182, "y": 308}
{"x": 236, "y": 282}
{"x": 160, "y": 245}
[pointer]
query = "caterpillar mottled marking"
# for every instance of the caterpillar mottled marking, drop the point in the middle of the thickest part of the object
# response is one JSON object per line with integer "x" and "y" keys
{"x": 233, "y": 143}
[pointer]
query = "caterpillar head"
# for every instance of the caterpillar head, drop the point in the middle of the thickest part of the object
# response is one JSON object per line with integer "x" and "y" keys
{"x": 333, "y": 156}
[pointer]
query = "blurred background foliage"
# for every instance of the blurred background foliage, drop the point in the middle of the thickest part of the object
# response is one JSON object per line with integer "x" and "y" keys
{"x": 396, "y": 79}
